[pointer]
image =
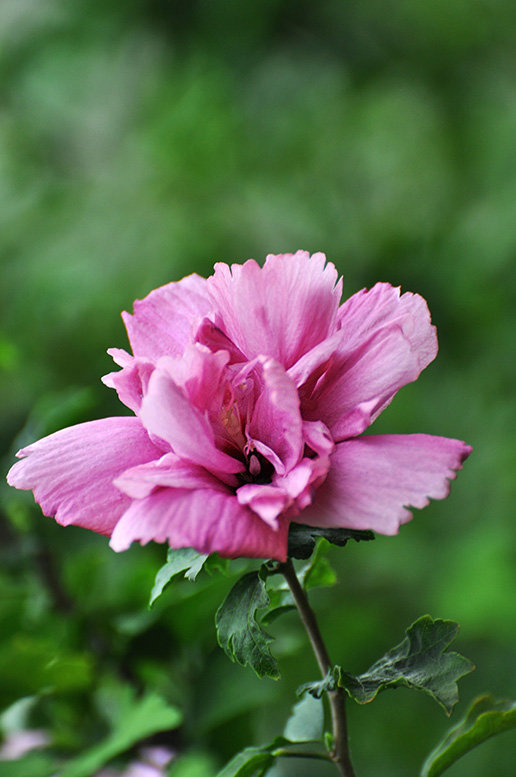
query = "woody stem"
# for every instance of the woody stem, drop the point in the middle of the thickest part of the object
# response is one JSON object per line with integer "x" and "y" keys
{"x": 340, "y": 753}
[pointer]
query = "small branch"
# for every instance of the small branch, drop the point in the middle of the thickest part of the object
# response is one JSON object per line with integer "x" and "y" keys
{"x": 340, "y": 755}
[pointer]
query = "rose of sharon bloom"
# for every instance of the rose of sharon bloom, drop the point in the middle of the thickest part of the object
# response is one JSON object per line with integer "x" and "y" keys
{"x": 250, "y": 392}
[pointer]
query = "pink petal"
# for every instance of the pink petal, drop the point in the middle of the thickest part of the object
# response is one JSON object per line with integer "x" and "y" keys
{"x": 315, "y": 360}
{"x": 356, "y": 384}
{"x": 276, "y": 421}
{"x": 120, "y": 357}
{"x": 131, "y": 382}
{"x": 373, "y": 479}
{"x": 198, "y": 372}
{"x": 167, "y": 318}
{"x": 170, "y": 471}
{"x": 369, "y": 310}
{"x": 282, "y": 309}
{"x": 210, "y": 335}
{"x": 71, "y": 472}
{"x": 209, "y": 521}
{"x": 167, "y": 413}
{"x": 317, "y": 436}
{"x": 267, "y": 501}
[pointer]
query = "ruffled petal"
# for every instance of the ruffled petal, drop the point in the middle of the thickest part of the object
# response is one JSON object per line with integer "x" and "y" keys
{"x": 369, "y": 310}
{"x": 357, "y": 383}
{"x": 71, "y": 472}
{"x": 167, "y": 414}
{"x": 276, "y": 421}
{"x": 167, "y": 318}
{"x": 282, "y": 309}
{"x": 209, "y": 521}
{"x": 373, "y": 479}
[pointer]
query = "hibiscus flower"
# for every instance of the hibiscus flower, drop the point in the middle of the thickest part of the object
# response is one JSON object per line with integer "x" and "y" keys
{"x": 251, "y": 391}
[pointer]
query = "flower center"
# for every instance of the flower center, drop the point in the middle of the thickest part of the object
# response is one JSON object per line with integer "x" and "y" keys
{"x": 258, "y": 470}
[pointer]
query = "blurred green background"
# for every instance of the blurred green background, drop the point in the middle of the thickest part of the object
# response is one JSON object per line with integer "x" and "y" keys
{"x": 143, "y": 140}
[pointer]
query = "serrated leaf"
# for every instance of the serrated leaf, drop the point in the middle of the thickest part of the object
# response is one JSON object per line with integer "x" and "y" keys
{"x": 420, "y": 661}
{"x": 306, "y": 721}
{"x": 239, "y": 633}
{"x": 485, "y": 718}
{"x": 140, "y": 719}
{"x": 185, "y": 561}
{"x": 251, "y": 761}
{"x": 302, "y": 538}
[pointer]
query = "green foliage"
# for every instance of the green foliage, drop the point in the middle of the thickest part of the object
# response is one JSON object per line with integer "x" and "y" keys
{"x": 319, "y": 687}
{"x": 32, "y": 765}
{"x": 315, "y": 574}
{"x": 239, "y": 632}
{"x": 198, "y": 764}
{"x": 485, "y": 718}
{"x": 140, "y": 718}
{"x": 306, "y": 721}
{"x": 183, "y": 560}
{"x": 32, "y": 664}
{"x": 302, "y": 539}
{"x": 142, "y": 141}
{"x": 421, "y": 661}
{"x": 251, "y": 761}
{"x": 318, "y": 572}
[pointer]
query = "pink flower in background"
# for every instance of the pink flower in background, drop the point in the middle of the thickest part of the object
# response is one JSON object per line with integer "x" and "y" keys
{"x": 250, "y": 391}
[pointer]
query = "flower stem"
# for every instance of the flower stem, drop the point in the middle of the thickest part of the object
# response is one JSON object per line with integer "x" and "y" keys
{"x": 340, "y": 753}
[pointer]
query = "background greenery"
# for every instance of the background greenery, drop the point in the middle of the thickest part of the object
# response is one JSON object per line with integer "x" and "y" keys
{"x": 143, "y": 140}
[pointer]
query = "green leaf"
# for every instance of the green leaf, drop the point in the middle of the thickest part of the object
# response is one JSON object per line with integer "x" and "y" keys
{"x": 140, "y": 719}
{"x": 318, "y": 572}
{"x": 239, "y": 633}
{"x": 420, "y": 661}
{"x": 251, "y": 761}
{"x": 329, "y": 683}
{"x": 198, "y": 764}
{"x": 32, "y": 765}
{"x": 306, "y": 721}
{"x": 485, "y": 718}
{"x": 302, "y": 538}
{"x": 183, "y": 560}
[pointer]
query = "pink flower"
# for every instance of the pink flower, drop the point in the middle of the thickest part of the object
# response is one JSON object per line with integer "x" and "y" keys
{"x": 250, "y": 391}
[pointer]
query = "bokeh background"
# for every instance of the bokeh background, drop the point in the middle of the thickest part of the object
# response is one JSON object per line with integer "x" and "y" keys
{"x": 143, "y": 140}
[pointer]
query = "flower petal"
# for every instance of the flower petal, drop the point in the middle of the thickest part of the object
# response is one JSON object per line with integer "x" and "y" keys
{"x": 357, "y": 383}
{"x": 209, "y": 521}
{"x": 282, "y": 309}
{"x": 167, "y": 318}
{"x": 373, "y": 479}
{"x": 131, "y": 382}
{"x": 265, "y": 500}
{"x": 71, "y": 472}
{"x": 369, "y": 310}
{"x": 276, "y": 421}
{"x": 167, "y": 414}
{"x": 170, "y": 471}
{"x": 198, "y": 372}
